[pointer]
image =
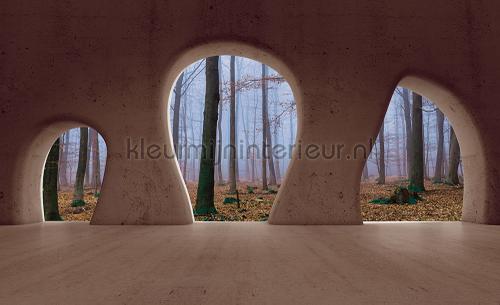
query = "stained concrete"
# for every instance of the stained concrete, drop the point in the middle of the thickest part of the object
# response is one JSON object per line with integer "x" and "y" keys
{"x": 111, "y": 65}
{"x": 250, "y": 263}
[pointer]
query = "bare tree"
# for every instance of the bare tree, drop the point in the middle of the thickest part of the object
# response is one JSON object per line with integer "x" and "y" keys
{"x": 438, "y": 169}
{"x": 177, "y": 107}
{"x": 220, "y": 177}
{"x": 254, "y": 139}
{"x": 408, "y": 128}
{"x": 276, "y": 126}
{"x": 50, "y": 174}
{"x": 417, "y": 161}
{"x": 96, "y": 162}
{"x": 232, "y": 130}
{"x": 267, "y": 150}
{"x": 397, "y": 135}
{"x": 78, "y": 193}
{"x": 264, "y": 128}
{"x": 381, "y": 168}
{"x": 184, "y": 129}
{"x": 87, "y": 171}
{"x": 63, "y": 160}
{"x": 427, "y": 147}
{"x": 365, "y": 171}
{"x": 205, "y": 194}
{"x": 454, "y": 159}
{"x": 247, "y": 141}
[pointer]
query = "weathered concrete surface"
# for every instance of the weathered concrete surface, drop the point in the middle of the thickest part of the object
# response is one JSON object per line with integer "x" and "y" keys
{"x": 250, "y": 263}
{"x": 111, "y": 64}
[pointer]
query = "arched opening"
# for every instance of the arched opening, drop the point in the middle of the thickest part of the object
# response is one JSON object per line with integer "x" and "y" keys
{"x": 422, "y": 147}
{"x": 73, "y": 174}
{"x": 223, "y": 111}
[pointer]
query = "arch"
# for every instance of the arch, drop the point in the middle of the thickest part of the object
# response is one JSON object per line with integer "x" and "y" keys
{"x": 30, "y": 170}
{"x": 192, "y": 54}
{"x": 475, "y": 198}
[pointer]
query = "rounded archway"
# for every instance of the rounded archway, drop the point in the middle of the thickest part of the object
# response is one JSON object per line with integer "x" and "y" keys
{"x": 73, "y": 175}
{"x": 251, "y": 113}
{"x": 30, "y": 169}
{"x": 414, "y": 171}
{"x": 476, "y": 206}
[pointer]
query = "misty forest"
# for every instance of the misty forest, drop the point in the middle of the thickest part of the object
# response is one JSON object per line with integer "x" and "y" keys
{"x": 233, "y": 124}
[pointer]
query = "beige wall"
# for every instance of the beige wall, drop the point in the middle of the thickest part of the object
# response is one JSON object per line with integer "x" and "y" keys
{"x": 111, "y": 64}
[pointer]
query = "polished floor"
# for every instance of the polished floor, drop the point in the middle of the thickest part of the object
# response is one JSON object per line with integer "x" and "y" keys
{"x": 250, "y": 263}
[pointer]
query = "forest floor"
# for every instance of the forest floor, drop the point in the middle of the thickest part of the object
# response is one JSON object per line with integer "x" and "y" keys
{"x": 440, "y": 203}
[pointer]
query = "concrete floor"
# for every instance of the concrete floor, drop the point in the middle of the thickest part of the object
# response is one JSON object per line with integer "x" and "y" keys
{"x": 250, "y": 263}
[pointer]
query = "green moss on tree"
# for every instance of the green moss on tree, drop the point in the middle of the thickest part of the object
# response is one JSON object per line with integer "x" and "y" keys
{"x": 205, "y": 194}
{"x": 50, "y": 174}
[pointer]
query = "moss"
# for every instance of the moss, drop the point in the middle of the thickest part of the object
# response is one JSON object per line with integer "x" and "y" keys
{"x": 401, "y": 195}
{"x": 230, "y": 200}
{"x": 250, "y": 189}
{"x": 415, "y": 189}
{"x": 53, "y": 217}
{"x": 78, "y": 203}
{"x": 205, "y": 210}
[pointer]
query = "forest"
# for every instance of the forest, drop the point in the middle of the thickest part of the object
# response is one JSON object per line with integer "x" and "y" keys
{"x": 229, "y": 116}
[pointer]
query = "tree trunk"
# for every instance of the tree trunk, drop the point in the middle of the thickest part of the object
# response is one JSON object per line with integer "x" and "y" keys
{"x": 408, "y": 128}
{"x": 232, "y": 129}
{"x": 69, "y": 161}
{"x": 87, "y": 181}
{"x": 220, "y": 177}
{"x": 404, "y": 154}
{"x": 277, "y": 168}
{"x": 417, "y": 162}
{"x": 236, "y": 121}
{"x": 438, "y": 169}
{"x": 292, "y": 135}
{"x": 266, "y": 131}
{"x": 365, "y": 171}
{"x": 270, "y": 153}
{"x": 264, "y": 128}
{"x": 292, "y": 130}
{"x": 193, "y": 156}
{"x": 381, "y": 137}
{"x": 275, "y": 140}
{"x": 78, "y": 199}
{"x": 247, "y": 142}
{"x": 387, "y": 153}
{"x": 427, "y": 144}
{"x": 89, "y": 175}
{"x": 96, "y": 162}
{"x": 177, "y": 109}
{"x": 184, "y": 128}
{"x": 50, "y": 174}
{"x": 254, "y": 140}
{"x": 376, "y": 154}
{"x": 398, "y": 150}
{"x": 63, "y": 159}
{"x": 205, "y": 195}
{"x": 454, "y": 159}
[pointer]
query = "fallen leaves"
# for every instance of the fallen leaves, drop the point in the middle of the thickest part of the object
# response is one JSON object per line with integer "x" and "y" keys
{"x": 67, "y": 212}
{"x": 440, "y": 203}
{"x": 254, "y": 206}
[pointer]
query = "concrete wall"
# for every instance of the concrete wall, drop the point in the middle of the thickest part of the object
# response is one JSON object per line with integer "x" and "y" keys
{"x": 111, "y": 65}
